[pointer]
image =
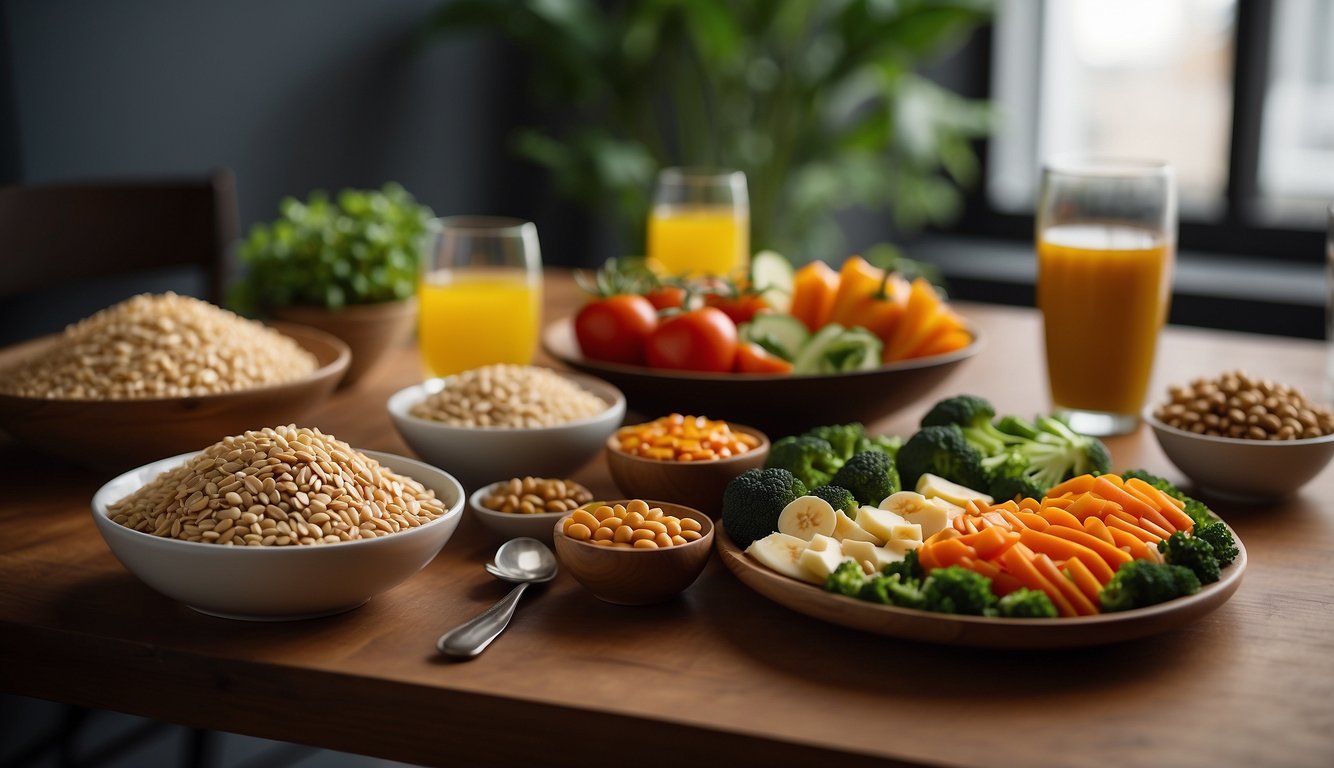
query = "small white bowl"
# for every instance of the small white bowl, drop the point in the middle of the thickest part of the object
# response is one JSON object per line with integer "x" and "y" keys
{"x": 1243, "y": 470}
{"x": 512, "y": 525}
{"x": 480, "y": 455}
{"x": 278, "y": 583}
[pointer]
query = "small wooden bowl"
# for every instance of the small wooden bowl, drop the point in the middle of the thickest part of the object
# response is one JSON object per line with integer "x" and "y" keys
{"x": 637, "y": 576}
{"x": 696, "y": 484}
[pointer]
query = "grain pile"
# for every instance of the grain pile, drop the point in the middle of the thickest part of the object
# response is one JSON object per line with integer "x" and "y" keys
{"x": 278, "y": 487}
{"x": 515, "y": 396}
{"x": 158, "y": 346}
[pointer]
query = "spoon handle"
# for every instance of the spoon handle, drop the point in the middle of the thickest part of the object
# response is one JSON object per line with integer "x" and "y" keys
{"x": 472, "y": 636}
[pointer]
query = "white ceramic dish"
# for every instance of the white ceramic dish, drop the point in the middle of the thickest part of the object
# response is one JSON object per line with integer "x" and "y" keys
{"x": 1252, "y": 471}
{"x": 481, "y": 455}
{"x": 278, "y": 583}
{"x": 512, "y": 525}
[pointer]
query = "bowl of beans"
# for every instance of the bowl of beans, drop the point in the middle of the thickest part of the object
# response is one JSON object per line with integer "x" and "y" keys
{"x": 684, "y": 459}
{"x": 634, "y": 552}
{"x": 527, "y": 506}
{"x": 159, "y": 374}
{"x": 1243, "y": 438}
{"x": 277, "y": 523}
{"x": 502, "y": 421}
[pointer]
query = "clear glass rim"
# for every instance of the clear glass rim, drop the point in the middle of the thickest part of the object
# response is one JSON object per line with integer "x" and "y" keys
{"x": 1107, "y": 167}
{"x": 483, "y": 225}
{"x": 701, "y": 174}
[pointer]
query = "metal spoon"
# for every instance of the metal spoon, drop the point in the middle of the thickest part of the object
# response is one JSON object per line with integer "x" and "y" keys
{"x": 522, "y": 562}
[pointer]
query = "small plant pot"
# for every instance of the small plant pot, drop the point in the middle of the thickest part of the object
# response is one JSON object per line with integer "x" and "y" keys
{"x": 369, "y": 330}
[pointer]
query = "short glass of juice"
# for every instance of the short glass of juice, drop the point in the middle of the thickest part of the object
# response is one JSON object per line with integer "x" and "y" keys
{"x": 480, "y": 294}
{"x": 1106, "y": 245}
{"x": 700, "y": 223}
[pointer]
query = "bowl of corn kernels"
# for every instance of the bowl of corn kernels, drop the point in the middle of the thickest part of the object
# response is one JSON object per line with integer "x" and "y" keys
{"x": 527, "y": 506}
{"x": 688, "y": 460}
{"x": 1243, "y": 438}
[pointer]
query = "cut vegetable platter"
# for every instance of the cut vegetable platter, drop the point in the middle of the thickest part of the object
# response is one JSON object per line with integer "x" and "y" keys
{"x": 978, "y": 631}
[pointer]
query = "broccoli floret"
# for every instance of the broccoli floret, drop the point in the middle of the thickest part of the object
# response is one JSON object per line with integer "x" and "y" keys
{"x": 1052, "y": 454}
{"x": 844, "y": 439}
{"x": 812, "y": 459}
{"x": 974, "y": 416}
{"x": 1026, "y": 603}
{"x": 1220, "y": 538}
{"x": 1195, "y": 554}
{"x": 870, "y": 476}
{"x": 838, "y": 498}
{"x": 1139, "y": 583}
{"x": 1009, "y": 478}
{"x": 909, "y": 568}
{"x": 753, "y": 501}
{"x": 1194, "y": 509}
{"x": 941, "y": 451}
{"x": 847, "y": 579}
{"x": 956, "y": 589}
{"x": 893, "y": 589}
{"x": 889, "y": 444}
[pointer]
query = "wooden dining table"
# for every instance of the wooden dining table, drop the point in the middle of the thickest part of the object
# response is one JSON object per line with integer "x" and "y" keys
{"x": 720, "y": 675}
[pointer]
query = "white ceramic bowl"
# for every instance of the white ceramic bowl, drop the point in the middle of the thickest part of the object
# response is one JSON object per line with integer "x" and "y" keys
{"x": 278, "y": 583}
{"x": 512, "y": 525}
{"x": 1243, "y": 470}
{"x": 481, "y": 455}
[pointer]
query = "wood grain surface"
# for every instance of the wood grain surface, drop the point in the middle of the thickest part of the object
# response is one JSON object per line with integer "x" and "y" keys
{"x": 719, "y": 674}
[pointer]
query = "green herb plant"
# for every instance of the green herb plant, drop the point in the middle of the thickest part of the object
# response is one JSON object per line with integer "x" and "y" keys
{"x": 363, "y": 247}
{"x": 820, "y": 102}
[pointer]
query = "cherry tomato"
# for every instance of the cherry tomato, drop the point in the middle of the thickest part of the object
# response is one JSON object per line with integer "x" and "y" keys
{"x": 667, "y": 297}
{"x": 752, "y": 358}
{"x": 740, "y": 308}
{"x": 703, "y": 339}
{"x": 615, "y": 329}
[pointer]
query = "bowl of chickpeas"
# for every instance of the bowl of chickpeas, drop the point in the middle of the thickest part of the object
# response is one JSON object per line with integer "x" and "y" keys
{"x": 527, "y": 506}
{"x": 499, "y": 421}
{"x": 1243, "y": 438}
{"x": 684, "y": 459}
{"x": 634, "y": 552}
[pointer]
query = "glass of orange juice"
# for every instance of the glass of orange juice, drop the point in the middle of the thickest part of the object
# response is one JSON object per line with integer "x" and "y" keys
{"x": 1106, "y": 245}
{"x": 480, "y": 295}
{"x": 700, "y": 223}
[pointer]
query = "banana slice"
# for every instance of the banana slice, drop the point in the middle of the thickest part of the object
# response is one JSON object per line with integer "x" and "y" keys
{"x": 821, "y": 557}
{"x": 906, "y": 532}
{"x": 901, "y": 547}
{"x": 846, "y": 529}
{"x": 937, "y": 487}
{"x": 869, "y": 554}
{"x": 781, "y": 553}
{"x": 879, "y": 522}
{"x": 807, "y": 517}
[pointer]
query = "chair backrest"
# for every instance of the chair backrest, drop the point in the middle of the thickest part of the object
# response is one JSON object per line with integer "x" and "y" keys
{"x": 53, "y": 234}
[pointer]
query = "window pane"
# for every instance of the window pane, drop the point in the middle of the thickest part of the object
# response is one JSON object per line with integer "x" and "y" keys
{"x": 1297, "y": 133}
{"x": 1126, "y": 78}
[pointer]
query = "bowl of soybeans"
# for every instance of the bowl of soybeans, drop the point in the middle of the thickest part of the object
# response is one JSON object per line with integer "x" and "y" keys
{"x": 1243, "y": 438}
{"x": 634, "y": 551}
{"x": 527, "y": 506}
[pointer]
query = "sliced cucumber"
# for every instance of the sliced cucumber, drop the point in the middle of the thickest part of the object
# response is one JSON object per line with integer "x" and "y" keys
{"x": 808, "y": 360}
{"x": 835, "y": 349}
{"x": 784, "y": 335}
{"x": 771, "y": 276}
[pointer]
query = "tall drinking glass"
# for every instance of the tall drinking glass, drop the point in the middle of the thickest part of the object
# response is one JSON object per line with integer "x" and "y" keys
{"x": 700, "y": 223}
{"x": 480, "y": 294}
{"x": 1106, "y": 245}
{"x": 1329, "y": 309}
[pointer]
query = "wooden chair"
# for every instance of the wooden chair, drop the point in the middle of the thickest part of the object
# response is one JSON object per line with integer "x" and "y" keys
{"x": 56, "y": 237}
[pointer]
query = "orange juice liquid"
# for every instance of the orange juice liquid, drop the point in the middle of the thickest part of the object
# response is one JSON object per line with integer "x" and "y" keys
{"x": 697, "y": 240}
{"x": 473, "y": 318}
{"x": 1104, "y": 292}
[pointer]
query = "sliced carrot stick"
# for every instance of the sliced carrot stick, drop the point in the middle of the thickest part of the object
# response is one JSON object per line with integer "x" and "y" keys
{"x": 1154, "y": 528}
{"x": 1113, "y": 556}
{"x": 1029, "y": 504}
{"x": 1016, "y": 522}
{"x": 958, "y": 524}
{"x": 1064, "y": 549}
{"x": 1058, "y": 516}
{"x": 1096, "y": 527}
{"x": 990, "y": 542}
{"x": 998, "y": 517}
{"x": 1112, "y": 492}
{"x": 1033, "y": 520}
{"x": 1087, "y": 505}
{"x": 944, "y": 533}
{"x": 1060, "y": 502}
{"x": 1009, "y": 504}
{"x": 949, "y": 551}
{"x": 1002, "y": 583}
{"x": 1116, "y": 511}
{"x": 1018, "y": 560}
{"x": 1168, "y": 506}
{"x": 1136, "y": 546}
{"x": 983, "y": 521}
{"x": 1078, "y": 600}
{"x": 969, "y": 524}
{"x": 926, "y": 556}
{"x": 1133, "y": 529}
{"x": 1085, "y": 580}
{"x": 1077, "y": 485}
{"x": 1148, "y": 498}
{"x": 976, "y": 507}
{"x": 1114, "y": 479}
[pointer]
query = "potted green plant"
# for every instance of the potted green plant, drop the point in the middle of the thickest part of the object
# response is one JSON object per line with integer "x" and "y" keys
{"x": 347, "y": 265}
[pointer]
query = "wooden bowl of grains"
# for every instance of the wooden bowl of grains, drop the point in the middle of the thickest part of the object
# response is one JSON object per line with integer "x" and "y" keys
{"x": 503, "y": 421}
{"x": 157, "y": 375}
